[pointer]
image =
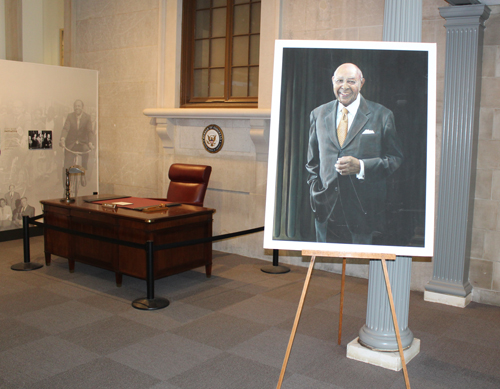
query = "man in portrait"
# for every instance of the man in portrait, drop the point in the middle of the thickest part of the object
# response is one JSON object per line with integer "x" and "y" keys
{"x": 353, "y": 147}
{"x": 77, "y": 137}
{"x": 12, "y": 197}
{"x": 24, "y": 209}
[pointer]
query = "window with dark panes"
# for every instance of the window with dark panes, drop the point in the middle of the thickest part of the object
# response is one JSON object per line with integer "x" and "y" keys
{"x": 220, "y": 53}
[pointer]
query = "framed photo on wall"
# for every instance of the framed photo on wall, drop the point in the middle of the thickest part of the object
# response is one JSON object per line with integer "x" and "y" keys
{"x": 352, "y": 147}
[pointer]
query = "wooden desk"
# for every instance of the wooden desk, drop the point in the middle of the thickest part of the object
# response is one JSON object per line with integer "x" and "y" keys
{"x": 175, "y": 224}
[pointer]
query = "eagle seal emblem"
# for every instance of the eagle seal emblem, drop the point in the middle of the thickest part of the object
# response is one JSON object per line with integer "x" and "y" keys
{"x": 213, "y": 138}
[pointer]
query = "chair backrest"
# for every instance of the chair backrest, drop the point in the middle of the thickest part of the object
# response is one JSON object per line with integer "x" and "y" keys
{"x": 188, "y": 183}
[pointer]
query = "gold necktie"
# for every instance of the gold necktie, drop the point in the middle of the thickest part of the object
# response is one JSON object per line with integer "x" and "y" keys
{"x": 342, "y": 127}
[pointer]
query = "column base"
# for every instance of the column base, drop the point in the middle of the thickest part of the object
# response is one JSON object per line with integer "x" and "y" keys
{"x": 384, "y": 341}
{"x": 448, "y": 299}
{"x": 387, "y": 360}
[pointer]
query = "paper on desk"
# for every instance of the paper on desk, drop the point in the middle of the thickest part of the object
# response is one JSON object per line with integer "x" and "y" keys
{"x": 123, "y": 203}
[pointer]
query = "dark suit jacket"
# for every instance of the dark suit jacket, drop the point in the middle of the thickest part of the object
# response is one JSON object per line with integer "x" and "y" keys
{"x": 77, "y": 139}
{"x": 12, "y": 202}
{"x": 372, "y": 138}
{"x": 19, "y": 213}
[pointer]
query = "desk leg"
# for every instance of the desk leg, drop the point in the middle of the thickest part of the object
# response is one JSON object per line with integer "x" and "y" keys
{"x": 47, "y": 259}
{"x": 118, "y": 278}
{"x": 71, "y": 264}
{"x": 208, "y": 270}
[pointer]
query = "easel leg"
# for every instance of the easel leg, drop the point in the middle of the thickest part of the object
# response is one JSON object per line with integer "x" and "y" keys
{"x": 342, "y": 287}
{"x": 396, "y": 326}
{"x": 296, "y": 322}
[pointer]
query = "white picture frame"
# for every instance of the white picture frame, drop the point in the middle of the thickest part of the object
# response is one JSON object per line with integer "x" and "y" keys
{"x": 391, "y": 74}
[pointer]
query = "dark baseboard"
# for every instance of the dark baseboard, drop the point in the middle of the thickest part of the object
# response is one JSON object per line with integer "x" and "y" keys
{"x": 18, "y": 233}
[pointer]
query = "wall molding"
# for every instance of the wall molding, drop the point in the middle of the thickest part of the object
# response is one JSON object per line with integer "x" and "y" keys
{"x": 165, "y": 122}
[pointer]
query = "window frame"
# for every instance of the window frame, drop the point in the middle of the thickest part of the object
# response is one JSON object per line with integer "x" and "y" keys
{"x": 187, "y": 63}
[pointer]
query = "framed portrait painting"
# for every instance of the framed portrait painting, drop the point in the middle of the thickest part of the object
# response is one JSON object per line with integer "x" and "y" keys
{"x": 352, "y": 147}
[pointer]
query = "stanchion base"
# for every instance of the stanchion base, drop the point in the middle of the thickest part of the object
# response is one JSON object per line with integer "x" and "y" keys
{"x": 25, "y": 266}
{"x": 146, "y": 304}
{"x": 275, "y": 269}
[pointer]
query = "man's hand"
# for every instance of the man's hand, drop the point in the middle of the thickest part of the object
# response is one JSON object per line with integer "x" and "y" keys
{"x": 347, "y": 165}
{"x": 91, "y": 146}
{"x": 62, "y": 142}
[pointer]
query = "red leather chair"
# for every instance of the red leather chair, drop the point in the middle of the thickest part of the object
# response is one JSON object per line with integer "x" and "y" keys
{"x": 188, "y": 183}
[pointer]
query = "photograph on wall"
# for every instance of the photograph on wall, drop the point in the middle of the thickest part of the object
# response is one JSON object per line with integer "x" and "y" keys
{"x": 352, "y": 148}
{"x": 48, "y": 123}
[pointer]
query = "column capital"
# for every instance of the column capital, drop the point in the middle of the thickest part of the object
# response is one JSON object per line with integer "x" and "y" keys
{"x": 465, "y": 15}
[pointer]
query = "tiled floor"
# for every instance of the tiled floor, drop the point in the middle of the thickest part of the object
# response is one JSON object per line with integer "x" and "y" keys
{"x": 63, "y": 330}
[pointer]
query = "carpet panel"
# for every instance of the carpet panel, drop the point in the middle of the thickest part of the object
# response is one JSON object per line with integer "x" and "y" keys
{"x": 69, "y": 290}
{"x": 270, "y": 348}
{"x": 10, "y": 284}
{"x": 228, "y": 372}
{"x": 29, "y": 300}
{"x": 15, "y": 333}
{"x": 109, "y": 335}
{"x": 164, "y": 385}
{"x": 297, "y": 381}
{"x": 107, "y": 302}
{"x": 178, "y": 286}
{"x": 321, "y": 324}
{"x": 475, "y": 330}
{"x": 103, "y": 281}
{"x": 350, "y": 374}
{"x": 428, "y": 372}
{"x": 220, "y": 330}
{"x": 41, "y": 359}
{"x": 165, "y": 356}
{"x": 130, "y": 293}
{"x": 263, "y": 310}
{"x": 155, "y": 319}
{"x": 350, "y": 329}
{"x": 255, "y": 288}
{"x": 58, "y": 318}
{"x": 181, "y": 313}
{"x": 100, "y": 373}
{"x": 292, "y": 293}
{"x": 35, "y": 278}
{"x": 433, "y": 324}
{"x": 354, "y": 304}
{"x": 203, "y": 291}
{"x": 217, "y": 298}
{"x": 465, "y": 355}
{"x": 59, "y": 267}
{"x": 249, "y": 273}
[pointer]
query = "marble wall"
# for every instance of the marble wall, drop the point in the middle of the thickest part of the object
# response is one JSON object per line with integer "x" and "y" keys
{"x": 121, "y": 41}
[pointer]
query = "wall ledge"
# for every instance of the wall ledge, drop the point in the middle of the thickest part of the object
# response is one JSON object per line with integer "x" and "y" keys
{"x": 208, "y": 113}
{"x": 165, "y": 121}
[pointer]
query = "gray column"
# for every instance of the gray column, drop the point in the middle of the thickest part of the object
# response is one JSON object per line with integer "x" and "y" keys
{"x": 402, "y": 23}
{"x": 378, "y": 332}
{"x": 462, "y": 91}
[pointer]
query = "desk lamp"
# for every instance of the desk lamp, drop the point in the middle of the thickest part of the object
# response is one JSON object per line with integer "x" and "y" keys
{"x": 72, "y": 170}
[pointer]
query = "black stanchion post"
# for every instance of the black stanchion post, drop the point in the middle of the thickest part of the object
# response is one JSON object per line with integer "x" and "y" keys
{"x": 150, "y": 302}
{"x": 26, "y": 265}
{"x": 275, "y": 268}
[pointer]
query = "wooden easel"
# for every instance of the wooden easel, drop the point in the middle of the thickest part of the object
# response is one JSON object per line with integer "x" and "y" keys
{"x": 313, "y": 254}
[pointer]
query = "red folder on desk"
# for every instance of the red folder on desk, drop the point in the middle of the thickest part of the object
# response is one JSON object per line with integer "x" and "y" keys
{"x": 138, "y": 203}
